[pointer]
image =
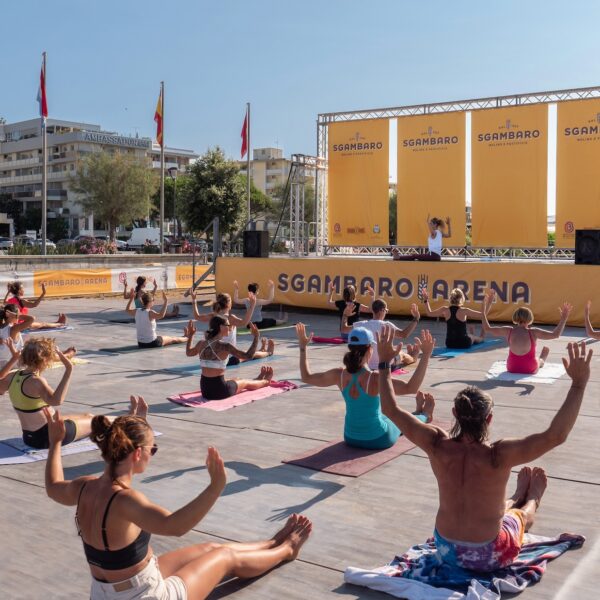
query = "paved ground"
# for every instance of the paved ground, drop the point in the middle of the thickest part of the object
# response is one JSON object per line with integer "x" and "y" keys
{"x": 361, "y": 522}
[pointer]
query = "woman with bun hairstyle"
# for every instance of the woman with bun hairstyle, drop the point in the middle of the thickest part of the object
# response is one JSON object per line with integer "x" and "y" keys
{"x": 365, "y": 426}
{"x": 456, "y": 316}
{"x": 213, "y": 353}
{"x": 17, "y": 293}
{"x": 115, "y": 521}
{"x": 437, "y": 231}
{"x": 348, "y": 307}
{"x": 222, "y": 306}
{"x": 30, "y": 394}
{"x": 140, "y": 288}
{"x": 522, "y": 337}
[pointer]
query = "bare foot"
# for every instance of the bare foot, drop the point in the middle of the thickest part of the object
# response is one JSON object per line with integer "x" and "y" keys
{"x": 263, "y": 344}
{"x": 298, "y": 536}
{"x": 133, "y": 402}
{"x": 138, "y": 407}
{"x": 420, "y": 400}
{"x": 544, "y": 355}
{"x": 70, "y": 352}
{"x": 428, "y": 407}
{"x": 271, "y": 347}
{"x": 537, "y": 485}
{"x": 266, "y": 373}
{"x": 285, "y": 531}
{"x": 62, "y": 318}
{"x": 523, "y": 481}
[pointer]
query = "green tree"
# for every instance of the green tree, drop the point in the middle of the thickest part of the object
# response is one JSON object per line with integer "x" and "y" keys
{"x": 115, "y": 188}
{"x": 182, "y": 191}
{"x": 215, "y": 190}
{"x": 260, "y": 204}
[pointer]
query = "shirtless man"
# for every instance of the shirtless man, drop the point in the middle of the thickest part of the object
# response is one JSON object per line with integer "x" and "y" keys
{"x": 472, "y": 473}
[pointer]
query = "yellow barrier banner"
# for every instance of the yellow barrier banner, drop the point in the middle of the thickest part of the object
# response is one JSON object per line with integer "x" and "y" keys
{"x": 509, "y": 150}
{"x": 431, "y": 176}
{"x": 358, "y": 187}
{"x": 305, "y": 283}
{"x": 73, "y": 282}
{"x": 577, "y": 169}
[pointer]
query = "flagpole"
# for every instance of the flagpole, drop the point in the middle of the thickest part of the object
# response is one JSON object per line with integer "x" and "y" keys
{"x": 44, "y": 167}
{"x": 162, "y": 168}
{"x": 248, "y": 157}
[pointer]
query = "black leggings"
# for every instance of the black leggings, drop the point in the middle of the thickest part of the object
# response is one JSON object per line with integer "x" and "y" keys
{"x": 266, "y": 323}
{"x": 39, "y": 438}
{"x": 216, "y": 388}
{"x": 428, "y": 256}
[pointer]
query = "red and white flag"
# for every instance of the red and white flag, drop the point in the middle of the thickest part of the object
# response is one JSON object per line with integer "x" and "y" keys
{"x": 41, "y": 96}
{"x": 158, "y": 119}
{"x": 245, "y": 135}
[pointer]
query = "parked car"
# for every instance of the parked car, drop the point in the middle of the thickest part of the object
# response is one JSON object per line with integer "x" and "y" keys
{"x": 121, "y": 245}
{"x": 65, "y": 242}
{"x": 24, "y": 240}
{"x": 49, "y": 244}
{"x": 141, "y": 236}
{"x": 6, "y": 243}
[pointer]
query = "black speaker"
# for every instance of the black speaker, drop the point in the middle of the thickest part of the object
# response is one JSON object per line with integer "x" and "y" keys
{"x": 256, "y": 244}
{"x": 587, "y": 246}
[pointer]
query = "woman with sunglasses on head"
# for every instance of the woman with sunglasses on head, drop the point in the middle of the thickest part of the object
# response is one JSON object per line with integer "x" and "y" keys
{"x": 214, "y": 351}
{"x": 115, "y": 522}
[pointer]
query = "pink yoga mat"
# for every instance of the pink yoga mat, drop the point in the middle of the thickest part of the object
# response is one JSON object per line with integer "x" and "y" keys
{"x": 195, "y": 399}
{"x": 340, "y": 459}
{"x": 327, "y": 340}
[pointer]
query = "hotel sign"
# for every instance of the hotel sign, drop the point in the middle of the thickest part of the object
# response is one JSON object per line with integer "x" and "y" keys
{"x": 115, "y": 140}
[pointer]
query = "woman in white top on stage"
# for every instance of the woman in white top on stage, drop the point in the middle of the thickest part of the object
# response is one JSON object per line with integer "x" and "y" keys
{"x": 438, "y": 229}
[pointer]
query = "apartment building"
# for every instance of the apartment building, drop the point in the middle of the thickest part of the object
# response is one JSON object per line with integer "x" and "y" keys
{"x": 268, "y": 169}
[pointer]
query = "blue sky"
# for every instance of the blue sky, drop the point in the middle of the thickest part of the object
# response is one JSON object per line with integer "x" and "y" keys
{"x": 290, "y": 60}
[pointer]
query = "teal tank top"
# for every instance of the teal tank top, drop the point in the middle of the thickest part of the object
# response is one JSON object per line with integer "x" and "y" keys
{"x": 364, "y": 419}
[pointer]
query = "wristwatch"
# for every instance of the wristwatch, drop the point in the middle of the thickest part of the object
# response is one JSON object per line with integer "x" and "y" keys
{"x": 383, "y": 365}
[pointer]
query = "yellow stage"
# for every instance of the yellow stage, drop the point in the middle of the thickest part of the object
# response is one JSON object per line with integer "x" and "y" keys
{"x": 543, "y": 286}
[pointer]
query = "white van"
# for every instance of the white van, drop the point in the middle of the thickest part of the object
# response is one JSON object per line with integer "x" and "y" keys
{"x": 141, "y": 235}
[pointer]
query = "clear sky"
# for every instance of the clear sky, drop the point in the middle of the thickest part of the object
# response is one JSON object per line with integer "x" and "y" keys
{"x": 290, "y": 60}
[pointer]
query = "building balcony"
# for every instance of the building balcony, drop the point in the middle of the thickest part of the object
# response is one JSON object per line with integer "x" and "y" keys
{"x": 23, "y": 162}
{"x": 34, "y": 178}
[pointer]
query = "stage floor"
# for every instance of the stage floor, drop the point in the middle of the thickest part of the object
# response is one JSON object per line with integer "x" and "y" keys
{"x": 361, "y": 522}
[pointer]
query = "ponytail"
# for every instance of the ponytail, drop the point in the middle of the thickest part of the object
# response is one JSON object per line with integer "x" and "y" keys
{"x": 353, "y": 359}
{"x": 214, "y": 326}
{"x": 221, "y": 303}
{"x": 140, "y": 281}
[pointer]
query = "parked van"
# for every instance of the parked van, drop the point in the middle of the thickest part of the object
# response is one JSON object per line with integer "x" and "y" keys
{"x": 142, "y": 235}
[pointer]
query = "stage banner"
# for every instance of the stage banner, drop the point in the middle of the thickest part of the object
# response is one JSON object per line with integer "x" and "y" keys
{"x": 305, "y": 283}
{"x": 73, "y": 282}
{"x": 358, "y": 186}
{"x": 577, "y": 169}
{"x": 509, "y": 167}
{"x": 431, "y": 176}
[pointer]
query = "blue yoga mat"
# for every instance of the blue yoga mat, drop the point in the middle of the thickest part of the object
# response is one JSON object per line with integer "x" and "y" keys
{"x": 453, "y": 352}
{"x": 48, "y": 330}
{"x": 195, "y": 369}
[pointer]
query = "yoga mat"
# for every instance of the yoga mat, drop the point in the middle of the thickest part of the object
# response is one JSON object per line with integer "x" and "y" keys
{"x": 124, "y": 349}
{"x": 128, "y": 320}
{"x": 195, "y": 368}
{"x": 340, "y": 459}
{"x": 245, "y": 331}
{"x": 549, "y": 373}
{"x": 399, "y": 371}
{"x": 14, "y": 451}
{"x": 57, "y": 364}
{"x": 328, "y": 340}
{"x": 195, "y": 399}
{"x": 453, "y": 352}
{"x": 48, "y": 329}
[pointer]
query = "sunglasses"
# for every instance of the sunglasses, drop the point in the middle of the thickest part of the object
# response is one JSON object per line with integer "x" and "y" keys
{"x": 153, "y": 449}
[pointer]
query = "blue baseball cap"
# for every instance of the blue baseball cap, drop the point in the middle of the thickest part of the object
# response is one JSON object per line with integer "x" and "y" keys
{"x": 360, "y": 336}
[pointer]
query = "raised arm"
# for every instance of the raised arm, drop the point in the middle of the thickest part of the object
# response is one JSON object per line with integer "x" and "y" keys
{"x": 42, "y": 390}
{"x": 128, "y": 309}
{"x": 542, "y": 334}
{"x": 248, "y": 354}
{"x": 512, "y": 452}
{"x": 270, "y": 296}
{"x": 416, "y": 431}
{"x": 589, "y": 330}
{"x": 438, "y": 312}
{"x": 236, "y": 292}
{"x": 158, "y": 520}
{"x": 34, "y": 303}
{"x": 26, "y": 321}
{"x": 448, "y": 232}
{"x": 330, "y": 299}
{"x": 407, "y": 331}
{"x": 502, "y": 330}
{"x": 348, "y": 312}
{"x": 427, "y": 343}
{"x": 6, "y": 369}
{"x": 158, "y": 315}
{"x": 235, "y": 320}
{"x": 125, "y": 293}
{"x": 324, "y": 379}
{"x": 189, "y": 332}
{"x": 7, "y": 294}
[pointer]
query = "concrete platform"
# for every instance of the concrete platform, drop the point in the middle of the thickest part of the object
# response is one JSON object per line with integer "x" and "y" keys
{"x": 360, "y": 522}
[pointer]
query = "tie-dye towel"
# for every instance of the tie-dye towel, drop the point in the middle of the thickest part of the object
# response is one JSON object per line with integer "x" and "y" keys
{"x": 421, "y": 575}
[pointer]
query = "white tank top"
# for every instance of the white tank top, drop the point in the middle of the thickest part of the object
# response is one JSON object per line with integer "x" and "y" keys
{"x": 145, "y": 326}
{"x": 5, "y": 354}
{"x": 435, "y": 243}
{"x": 230, "y": 338}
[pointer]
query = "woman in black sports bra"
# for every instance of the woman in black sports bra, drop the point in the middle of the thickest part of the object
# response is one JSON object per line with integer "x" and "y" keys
{"x": 456, "y": 316}
{"x": 115, "y": 522}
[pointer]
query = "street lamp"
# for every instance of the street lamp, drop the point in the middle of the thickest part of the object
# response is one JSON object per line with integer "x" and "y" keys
{"x": 173, "y": 175}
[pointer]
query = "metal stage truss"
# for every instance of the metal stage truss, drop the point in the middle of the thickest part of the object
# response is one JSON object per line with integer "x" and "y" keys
{"x": 324, "y": 119}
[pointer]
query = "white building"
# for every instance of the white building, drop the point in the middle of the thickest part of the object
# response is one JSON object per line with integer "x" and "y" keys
{"x": 68, "y": 142}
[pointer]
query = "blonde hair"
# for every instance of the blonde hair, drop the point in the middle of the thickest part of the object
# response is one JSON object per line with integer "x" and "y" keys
{"x": 522, "y": 316}
{"x": 457, "y": 297}
{"x": 38, "y": 354}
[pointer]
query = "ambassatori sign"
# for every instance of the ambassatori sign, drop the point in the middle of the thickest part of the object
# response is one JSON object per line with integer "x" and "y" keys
{"x": 305, "y": 282}
{"x": 431, "y": 176}
{"x": 509, "y": 166}
{"x": 577, "y": 169}
{"x": 357, "y": 193}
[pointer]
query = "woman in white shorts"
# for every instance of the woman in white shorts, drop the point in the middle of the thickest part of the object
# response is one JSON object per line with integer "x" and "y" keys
{"x": 115, "y": 522}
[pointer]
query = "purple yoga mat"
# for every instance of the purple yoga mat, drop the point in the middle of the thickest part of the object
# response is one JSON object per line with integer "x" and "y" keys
{"x": 340, "y": 459}
{"x": 195, "y": 399}
{"x": 327, "y": 340}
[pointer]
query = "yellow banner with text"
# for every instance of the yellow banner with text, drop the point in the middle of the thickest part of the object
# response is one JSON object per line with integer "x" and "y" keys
{"x": 73, "y": 282}
{"x": 431, "y": 176}
{"x": 358, "y": 187}
{"x": 577, "y": 172}
{"x": 509, "y": 150}
{"x": 305, "y": 282}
